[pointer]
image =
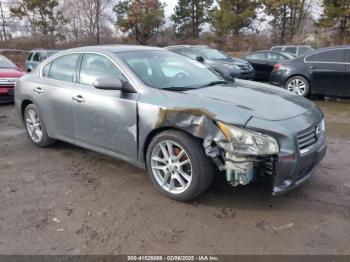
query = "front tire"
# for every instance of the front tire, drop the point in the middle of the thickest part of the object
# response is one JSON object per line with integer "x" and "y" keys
{"x": 35, "y": 127}
{"x": 298, "y": 85}
{"x": 178, "y": 165}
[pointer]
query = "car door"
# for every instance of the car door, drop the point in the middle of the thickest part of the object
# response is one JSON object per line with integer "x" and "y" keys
{"x": 105, "y": 120}
{"x": 258, "y": 61}
{"x": 53, "y": 93}
{"x": 327, "y": 71}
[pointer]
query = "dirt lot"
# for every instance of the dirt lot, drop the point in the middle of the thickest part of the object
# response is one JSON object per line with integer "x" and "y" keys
{"x": 66, "y": 200}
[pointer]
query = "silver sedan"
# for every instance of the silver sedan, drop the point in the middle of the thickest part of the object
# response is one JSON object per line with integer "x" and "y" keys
{"x": 172, "y": 116}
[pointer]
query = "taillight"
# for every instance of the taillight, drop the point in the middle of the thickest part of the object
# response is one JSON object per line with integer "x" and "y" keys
{"x": 277, "y": 67}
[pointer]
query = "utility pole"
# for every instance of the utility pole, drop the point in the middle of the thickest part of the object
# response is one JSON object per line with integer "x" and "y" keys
{"x": 3, "y": 24}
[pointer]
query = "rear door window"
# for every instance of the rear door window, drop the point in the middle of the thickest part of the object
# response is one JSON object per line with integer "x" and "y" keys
{"x": 63, "y": 68}
{"x": 46, "y": 70}
{"x": 331, "y": 56}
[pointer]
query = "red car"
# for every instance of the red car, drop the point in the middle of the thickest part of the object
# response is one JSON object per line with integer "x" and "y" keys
{"x": 9, "y": 73}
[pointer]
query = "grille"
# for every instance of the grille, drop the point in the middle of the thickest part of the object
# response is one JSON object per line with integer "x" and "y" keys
{"x": 307, "y": 138}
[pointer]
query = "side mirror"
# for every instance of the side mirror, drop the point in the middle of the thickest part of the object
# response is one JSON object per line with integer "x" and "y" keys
{"x": 200, "y": 59}
{"x": 108, "y": 84}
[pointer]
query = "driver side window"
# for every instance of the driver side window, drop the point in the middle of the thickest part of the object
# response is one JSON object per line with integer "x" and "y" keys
{"x": 95, "y": 66}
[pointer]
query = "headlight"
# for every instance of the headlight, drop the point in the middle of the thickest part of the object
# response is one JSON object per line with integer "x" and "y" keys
{"x": 323, "y": 125}
{"x": 244, "y": 142}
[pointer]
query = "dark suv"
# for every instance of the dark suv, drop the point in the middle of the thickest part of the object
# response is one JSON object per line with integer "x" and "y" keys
{"x": 228, "y": 67}
{"x": 323, "y": 72}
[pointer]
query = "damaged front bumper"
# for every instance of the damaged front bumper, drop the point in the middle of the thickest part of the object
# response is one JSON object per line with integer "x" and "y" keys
{"x": 288, "y": 169}
{"x": 285, "y": 179}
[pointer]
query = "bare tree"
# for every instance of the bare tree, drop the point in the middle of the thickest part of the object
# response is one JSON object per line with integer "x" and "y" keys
{"x": 89, "y": 18}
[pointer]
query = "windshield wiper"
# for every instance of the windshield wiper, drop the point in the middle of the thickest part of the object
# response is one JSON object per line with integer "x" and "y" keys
{"x": 216, "y": 83}
{"x": 177, "y": 88}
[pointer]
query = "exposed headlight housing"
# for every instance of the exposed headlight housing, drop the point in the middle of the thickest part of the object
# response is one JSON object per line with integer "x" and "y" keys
{"x": 247, "y": 142}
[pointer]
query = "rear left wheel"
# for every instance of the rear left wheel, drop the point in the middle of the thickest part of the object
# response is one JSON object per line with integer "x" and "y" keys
{"x": 298, "y": 85}
{"x": 35, "y": 127}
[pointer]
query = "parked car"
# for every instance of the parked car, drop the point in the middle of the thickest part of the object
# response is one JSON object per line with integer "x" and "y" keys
{"x": 35, "y": 57}
{"x": 228, "y": 67}
{"x": 323, "y": 72}
{"x": 166, "y": 113}
{"x": 297, "y": 50}
{"x": 9, "y": 73}
{"x": 264, "y": 62}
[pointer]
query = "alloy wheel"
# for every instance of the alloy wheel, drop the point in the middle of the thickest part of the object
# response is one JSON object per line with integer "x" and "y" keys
{"x": 33, "y": 125}
{"x": 171, "y": 167}
{"x": 297, "y": 86}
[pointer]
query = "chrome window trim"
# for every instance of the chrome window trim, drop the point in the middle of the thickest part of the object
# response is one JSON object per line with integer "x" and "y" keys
{"x": 323, "y": 62}
{"x": 48, "y": 61}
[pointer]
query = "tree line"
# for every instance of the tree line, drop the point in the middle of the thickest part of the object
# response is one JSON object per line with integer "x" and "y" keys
{"x": 144, "y": 20}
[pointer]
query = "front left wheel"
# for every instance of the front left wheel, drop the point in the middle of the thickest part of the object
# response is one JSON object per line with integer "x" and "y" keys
{"x": 35, "y": 127}
{"x": 178, "y": 165}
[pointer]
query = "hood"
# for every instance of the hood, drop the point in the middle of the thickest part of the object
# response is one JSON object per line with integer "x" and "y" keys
{"x": 236, "y": 103}
{"x": 10, "y": 73}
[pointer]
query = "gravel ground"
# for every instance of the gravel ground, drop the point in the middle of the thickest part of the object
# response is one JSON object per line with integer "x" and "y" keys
{"x": 66, "y": 200}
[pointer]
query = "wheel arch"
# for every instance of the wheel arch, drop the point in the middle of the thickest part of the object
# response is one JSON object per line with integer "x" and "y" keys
{"x": 296, "y": 74}
{"x": 24, "y": 104}
{"x": 159, "y": 130}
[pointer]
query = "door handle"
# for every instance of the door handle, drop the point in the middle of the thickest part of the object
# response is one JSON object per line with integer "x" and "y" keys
{"x": 311, "y": 67}
{"x": 38, "y": 90}
{"x": 78, "y": 98}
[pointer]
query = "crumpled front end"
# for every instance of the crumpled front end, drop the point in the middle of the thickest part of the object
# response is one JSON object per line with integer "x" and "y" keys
{"x": 301, "y": 147}
{"x": 285, "y": 152}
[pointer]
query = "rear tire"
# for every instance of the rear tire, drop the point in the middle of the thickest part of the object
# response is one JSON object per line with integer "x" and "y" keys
{"x": 35, "y": 127}
{"x": 298, "y": 85}
{"x": 184, "y": 171}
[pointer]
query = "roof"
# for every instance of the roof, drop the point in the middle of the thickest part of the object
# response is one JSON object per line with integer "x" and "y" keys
{"x": 116, "y": 48}
{"x": 188, "y": 46}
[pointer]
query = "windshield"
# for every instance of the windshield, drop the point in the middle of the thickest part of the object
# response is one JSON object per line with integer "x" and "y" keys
{"x": 164, "y": 69}
{"x": 213, "y": 54}
{"x": 6, "y": 63}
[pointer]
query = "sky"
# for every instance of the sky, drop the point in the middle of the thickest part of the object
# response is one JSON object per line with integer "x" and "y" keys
{"x": 169, "y": 8}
